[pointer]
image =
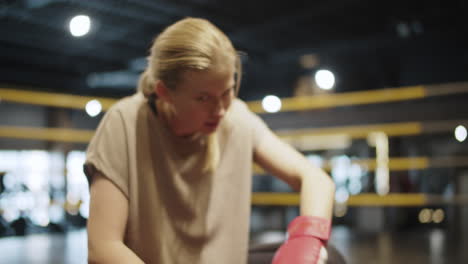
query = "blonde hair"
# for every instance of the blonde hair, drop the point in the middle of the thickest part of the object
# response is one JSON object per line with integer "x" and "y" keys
{"x": 189, "y": 44}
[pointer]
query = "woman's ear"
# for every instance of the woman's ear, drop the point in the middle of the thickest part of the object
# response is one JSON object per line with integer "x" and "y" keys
{"x": 162, "y": 91}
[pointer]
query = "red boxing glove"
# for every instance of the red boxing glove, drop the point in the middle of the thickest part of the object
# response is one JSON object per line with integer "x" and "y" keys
{"x": 307, "y": 235}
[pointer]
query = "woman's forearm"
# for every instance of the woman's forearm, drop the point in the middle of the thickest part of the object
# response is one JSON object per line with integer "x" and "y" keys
{"x": 317, "y": 193}
{"x": 111, "y": 252}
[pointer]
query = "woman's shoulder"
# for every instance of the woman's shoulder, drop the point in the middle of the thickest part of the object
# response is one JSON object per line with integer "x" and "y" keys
{"x": 239, "y": 107}
{"x": 128, "y": 106}
{"x": 241, "y": 110}
{"x": 239, "y": 114}
{"x": 129, "y": 102}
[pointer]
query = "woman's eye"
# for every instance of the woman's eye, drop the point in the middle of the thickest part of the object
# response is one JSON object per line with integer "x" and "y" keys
{"x": 228, "y": 92}
{"x": 202, "y": 98}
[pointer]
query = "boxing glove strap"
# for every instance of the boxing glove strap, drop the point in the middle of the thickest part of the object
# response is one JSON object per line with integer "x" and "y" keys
{"x": 310, "y": 226}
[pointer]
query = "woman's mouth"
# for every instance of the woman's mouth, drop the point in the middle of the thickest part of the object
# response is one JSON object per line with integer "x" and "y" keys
{"x": 212, "y": 125}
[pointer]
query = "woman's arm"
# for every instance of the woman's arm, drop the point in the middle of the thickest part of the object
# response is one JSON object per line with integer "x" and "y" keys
{"x": 308, "y": 233}
{"x": 316, "y": 187}
{"x": 107, "y": 220}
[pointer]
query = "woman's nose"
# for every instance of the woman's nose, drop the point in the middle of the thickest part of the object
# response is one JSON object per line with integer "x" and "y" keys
{"x": 219, "y": 108}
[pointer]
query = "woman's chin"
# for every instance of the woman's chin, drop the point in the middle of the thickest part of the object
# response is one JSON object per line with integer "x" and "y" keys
{"x": 208, "y": 129}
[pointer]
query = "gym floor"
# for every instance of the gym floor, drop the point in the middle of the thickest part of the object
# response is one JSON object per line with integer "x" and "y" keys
{"x": 428, "y": 246}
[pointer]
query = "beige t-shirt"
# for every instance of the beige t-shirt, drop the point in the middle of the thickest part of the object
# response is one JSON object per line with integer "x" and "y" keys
{"x": 177, "y": 213}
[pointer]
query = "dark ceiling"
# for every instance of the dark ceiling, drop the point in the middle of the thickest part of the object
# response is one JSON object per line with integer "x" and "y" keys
{"x": 368, "y": 44}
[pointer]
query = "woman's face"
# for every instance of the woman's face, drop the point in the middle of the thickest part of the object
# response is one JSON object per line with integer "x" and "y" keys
{"x": 201, "y": 100}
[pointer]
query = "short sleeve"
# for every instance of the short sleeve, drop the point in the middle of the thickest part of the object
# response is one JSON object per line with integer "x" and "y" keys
{"x": 258, "y": 127}
{"x": 260, "y": 130}
{"x": 107, "y": 152}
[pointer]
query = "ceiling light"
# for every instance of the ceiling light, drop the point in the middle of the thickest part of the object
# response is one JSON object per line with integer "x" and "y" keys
{"x": 271, "y": 103}
{"x": 325, "y": 79}
{"x": 460, "y": 133}
{"x": 93, "y": 108}
{"x": 80, "y": 25}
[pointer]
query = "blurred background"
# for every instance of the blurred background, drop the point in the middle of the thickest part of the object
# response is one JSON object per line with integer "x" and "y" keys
{"x": 374, "y": 92}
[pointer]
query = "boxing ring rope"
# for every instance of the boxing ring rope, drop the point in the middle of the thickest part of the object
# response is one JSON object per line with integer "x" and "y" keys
{"x": 298, "y": 137}
{"x": 303, "y": 103}
{"x": 290, "y": 136}
{"x": 366, "y": 199}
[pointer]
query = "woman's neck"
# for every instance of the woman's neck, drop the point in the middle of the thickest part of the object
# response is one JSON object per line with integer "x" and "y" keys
{"x": 170, "y": 120}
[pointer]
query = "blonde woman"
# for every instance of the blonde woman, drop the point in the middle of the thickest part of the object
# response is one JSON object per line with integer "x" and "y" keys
{"x": 170, "y": 167}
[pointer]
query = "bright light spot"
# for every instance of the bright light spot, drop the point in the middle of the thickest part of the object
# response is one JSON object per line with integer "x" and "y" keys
{"x": 77, "y": 185}
{"x": 341, "y": 195}
{"x": 84, "y": 210}
{"x": 40, "y": 216}
{"x": 35, "y": 177}
{"x": 57, "y": 181}
{"x": 56, "y": 213}
{"x": 73, "y": 210}
{"x": 340, "y": 168}
{"x": 38, "y": 160}
{"x": 270, "y": 237}
{"x": 80, "y": 25}
{"x": 73, "y": 198}
{"x": 316, "y": 160}
{"x": 271, "y": 103}
{"x": 11, "y": 215}
{"x": 460, "y": 133}
{"x": 57, "y": 161}
{"x": 24, "y": 201}
{"x": 9, "y": 206}
{"x": 10, "y": 181}
{"x": 355, "y": 172}
{"x": 354, "y": 186}
{"x": 381, "y": 181}
{"x": 84, "y": 206}
{"x": 438, "y": 216}
{"x": 9, "y": 160}
{"x": 340, "y": 209}
{"x": 425, "y": 215}
{"x": 42, "y": 199}
{"x": 93, "y": 108}
{"x": 437, "y": 245}
{"x": 325, "y": 79}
